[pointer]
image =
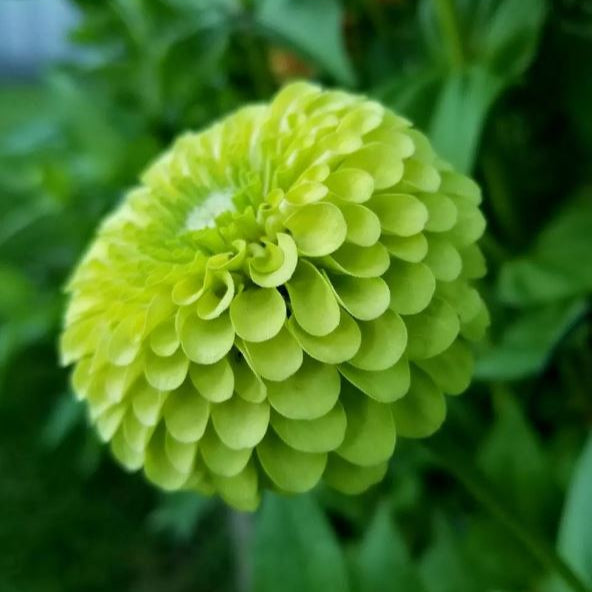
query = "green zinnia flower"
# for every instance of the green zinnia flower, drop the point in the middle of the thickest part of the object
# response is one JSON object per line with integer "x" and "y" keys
{"x": 284, "y": 294}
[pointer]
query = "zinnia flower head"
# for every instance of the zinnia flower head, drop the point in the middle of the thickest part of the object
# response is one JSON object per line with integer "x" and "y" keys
{"x": 284, "y": 294}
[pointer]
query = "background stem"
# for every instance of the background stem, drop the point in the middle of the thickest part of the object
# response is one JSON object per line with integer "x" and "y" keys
{"x": 241, "y": 528}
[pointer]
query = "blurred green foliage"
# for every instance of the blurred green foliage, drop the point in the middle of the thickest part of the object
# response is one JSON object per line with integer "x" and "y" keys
{"x": 504, "y": 89}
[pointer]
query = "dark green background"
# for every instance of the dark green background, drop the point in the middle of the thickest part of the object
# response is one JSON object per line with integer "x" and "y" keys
{"x": 504, "y": 89}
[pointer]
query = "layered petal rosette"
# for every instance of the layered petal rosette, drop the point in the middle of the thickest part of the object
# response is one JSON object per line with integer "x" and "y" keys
{"x": 284, "y": 294}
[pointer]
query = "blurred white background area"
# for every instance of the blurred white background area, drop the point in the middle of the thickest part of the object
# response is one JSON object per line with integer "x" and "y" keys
{"x": 32, "y": 32}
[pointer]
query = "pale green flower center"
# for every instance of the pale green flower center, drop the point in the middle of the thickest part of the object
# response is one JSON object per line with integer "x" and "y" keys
{"x": 204, "y": 214}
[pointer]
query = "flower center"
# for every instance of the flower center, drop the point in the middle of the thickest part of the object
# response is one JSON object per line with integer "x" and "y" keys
{"x": 204, "y": 214}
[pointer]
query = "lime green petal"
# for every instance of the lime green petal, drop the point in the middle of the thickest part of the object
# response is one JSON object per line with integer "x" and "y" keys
{"x": 78, "y": 339}
{"x": 353, "y": 185}
{"x": 352, "y": 479}
{"x": 100, "y": 355}
{"x": 282, "y": 274}
{"x": 452, "y": 369}
{"x": 131, "y": 459}
{"x": 168, "y": 373}
{"x": 135, "y": 433}
{"x": 395, "y": 136}
{"x": 240, "y": 491}
{"x": 312, "y": 301}
{"x": 164, "y": 340}
{"x": 443, "y": 259}
{"x": 442, "y": 213}
{"x": 363, "y": 225}
{"x": 240, "y": 424}
{"x": 421, "y": 412}
{"x": 459, "y": 185}
{"x": 421, "y": 175}
{"x": 230, "y": 261}
{"x": 322, "y": 434}
{"x": 158, "y": 468}
{"x": 221, "y": 459}
{"x": 317, "y": 173}
{"x": 214, "y": 382}
{"x": 318, "y": 229}
{"x": 97, "y": 395}
{"x": 81, "y": 378}
{"x": 407, "y": 248}
{"x": 186, "y": 414}
{"x": 385, "y": 386}
{"x": 363, "y": 262}
{"x": 363, "y": 118}
{"x": 258, "y": 314}
{"x": 383, "y": 342}
{"x": 463, "y": 298}
{"x": 473, "y": 262}
{"x": 339, "y": 346}
{"x": 291, "y": 470}
{"x": 308, "y": 394}
{"x": 433, "y": 330}
{"x": 118, "y": 379}
{"x": 126, "y": 340}
{"x": 337, "y": 143}
{"x": 470, "y": 224}
{"x": 217, "y": 298}
{"x": 246, "y": 382}
{"x": 370, "y": 435}
{"x": 363, "y": 298}
{"x": 109, "y": 421}
{"x": 380, "y": 160}
{"x": 147, "y": 403}
{"x": 188, "y": 289}
{"x": 267, "y": 257}
{"x": 277, "y": 358}
{"x": 206, "y": 342}
{"x": 199, "y": 479}
{"x": 476, "y": 328}
{"x": 305, "y": 193}
{"x": 412, "y": 286}
{"x": 287, "y": 99}
{"x": 400, "y": 213}
{"x": 180, "y": 454}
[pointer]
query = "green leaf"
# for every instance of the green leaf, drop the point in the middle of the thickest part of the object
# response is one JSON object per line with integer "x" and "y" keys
{"x": 527, "y": 344}
{"x": 445, "y": 567}
{"x": 557, "y": 265}
{"x": 481, "y": 47}
{"x": 510, "y": 34}
{"x": 514, "y": 460}
{"x": 312, "y": 28}
{"x": 382, "y": 561}
{"x": 296, "y": 549}
{"x": 575, "y": 531}
{"x": 463, "y": 104}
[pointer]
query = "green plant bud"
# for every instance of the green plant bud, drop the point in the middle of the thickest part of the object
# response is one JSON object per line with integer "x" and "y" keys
{"x": 285, "y": 294}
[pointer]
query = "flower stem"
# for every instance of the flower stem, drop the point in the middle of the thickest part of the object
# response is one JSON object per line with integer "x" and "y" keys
{"x": 451, "y": 458}
{"x": 241, "y": 533}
